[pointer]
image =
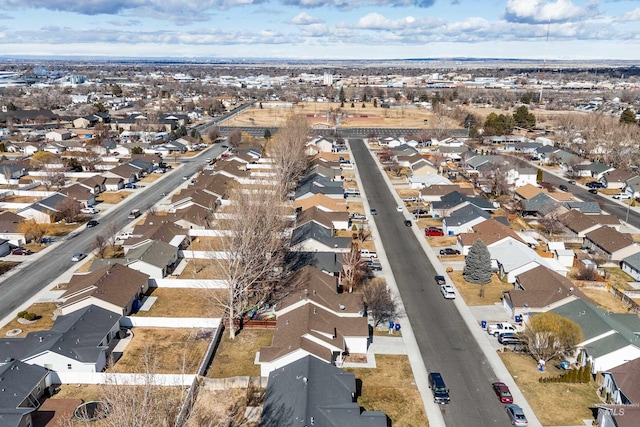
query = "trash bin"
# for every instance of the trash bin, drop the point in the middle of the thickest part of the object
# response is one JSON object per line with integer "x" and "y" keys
{"x": 483, "y": 323}
{"x": 518, "y": 318}
{"x": 565, "y": 365}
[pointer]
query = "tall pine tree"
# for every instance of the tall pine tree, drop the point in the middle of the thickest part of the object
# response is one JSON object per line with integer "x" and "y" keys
{"x": 477, "y": 266}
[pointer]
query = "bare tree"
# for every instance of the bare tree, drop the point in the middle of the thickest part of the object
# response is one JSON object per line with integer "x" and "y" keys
{"x": 551, "y": 222}
{"x": 253, "y": 244}
{"x": 287, "y": 151}
{"x": 68, "y": 210}
{"x": 380, "y": 302}
{"x": 99, "y": 245}
{"x": 213, "y": 133}
{"x": 235, "y": 138}
{"x": 112, "y": 232}
{"x": 32, "y": 230}
{"x": 353, "y": 268}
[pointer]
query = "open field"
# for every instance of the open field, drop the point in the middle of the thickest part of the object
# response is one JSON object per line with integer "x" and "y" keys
{"x": 173, "y": 302}
{"x": 316, "y": 113}
{"x": 391, "y": 388}
{"x": 44, "y": 310}
{"x": 479, "y": 294}
{"x": 235, "y": 357}
{"x": 172, "y": 351}
{"x": 555, "y": 404}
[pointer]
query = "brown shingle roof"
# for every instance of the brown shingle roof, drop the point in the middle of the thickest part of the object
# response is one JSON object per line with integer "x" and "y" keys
{"x": 542, "y": 287}
{"x": 609, "y": 239}
{"x": 528, "y": 191}
{"x": 116, "y": 284}
{"x": 489, "y": 231}
{"x": 576, "y": 221}
{"x": 628, "y": 379}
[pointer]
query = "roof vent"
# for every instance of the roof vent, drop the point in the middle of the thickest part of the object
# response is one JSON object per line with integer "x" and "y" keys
{"x": 342, "y": 307}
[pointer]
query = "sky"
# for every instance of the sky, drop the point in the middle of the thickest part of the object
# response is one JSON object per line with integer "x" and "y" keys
{"x": 322, "y": 29}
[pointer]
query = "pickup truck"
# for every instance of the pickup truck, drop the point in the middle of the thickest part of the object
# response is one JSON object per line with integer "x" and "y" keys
{"x": 124, "y": 235}
{"x": 500, "y": 328}
{"x": 366, "y": 253}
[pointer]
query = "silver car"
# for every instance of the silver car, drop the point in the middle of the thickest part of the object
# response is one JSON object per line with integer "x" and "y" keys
{"x": 516, "y": 416}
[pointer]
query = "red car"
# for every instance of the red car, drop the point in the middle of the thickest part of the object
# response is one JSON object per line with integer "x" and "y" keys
{"x": 433, "y": 231}
{"x": 503, "y": 393}
{"x": 21, "y": 251}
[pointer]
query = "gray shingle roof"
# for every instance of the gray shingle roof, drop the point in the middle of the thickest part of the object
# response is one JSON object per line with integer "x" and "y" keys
{"x": 310, "y": 392}
{"x": 465, "y": 215}
{"x": 312, "y": 230}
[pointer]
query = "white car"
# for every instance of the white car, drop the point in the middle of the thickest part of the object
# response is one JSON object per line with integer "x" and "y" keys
{"x": 622, "y": 196}
{"x": 399, "y": 208}
{"x": 447, "y": 291}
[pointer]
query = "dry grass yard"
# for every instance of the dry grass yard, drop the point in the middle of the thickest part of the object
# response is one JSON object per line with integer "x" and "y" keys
{"x": 618, "y": 278}
{"x": 235, "y": 357}
{"x": 206, "y": 243}
{"x": 174, "y": 302}
{"x": 479, "y": 294}
{"x": 86, "y": 392}
{"x": 606, "y": 300}
{"x": 177, "y": 350}
{"x": 44, "y": 310}
{"x": 202, "y": 269}
{"x": 112, "y": 198}
{"x": 7, "y": 266}
{"x": 213, "y": 406}
{"x": 391, "y": 388}
{"x": 354, "y": 117}
{"x": 554, "y": 404}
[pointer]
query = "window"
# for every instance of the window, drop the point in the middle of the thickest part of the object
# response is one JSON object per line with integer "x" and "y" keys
{"x": 69, "y": 366}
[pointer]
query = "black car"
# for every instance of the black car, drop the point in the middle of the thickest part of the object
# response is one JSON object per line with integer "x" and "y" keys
{"x": 420, "y": 211}
{"x": 440, "y": 280}
{"x": 407, "y": 223}
{"x": 595, "y": 184}
{"x": 92, "y": 223}
{"x": 374, "y": 265}
{"x": 563, "y": 187}
{"x": 593, "y": 191}
{"x": 449, "y": 251}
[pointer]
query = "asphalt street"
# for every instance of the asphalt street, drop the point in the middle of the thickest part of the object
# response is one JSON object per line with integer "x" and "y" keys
{"x": 444, "y": 340}
{"x": 38, "y": 270}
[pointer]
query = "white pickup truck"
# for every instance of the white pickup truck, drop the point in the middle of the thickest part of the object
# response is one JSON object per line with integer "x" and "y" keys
{"x": 499, "y": 328}
{"x": 366, "y": 253}
{"x": 124, "y": 235}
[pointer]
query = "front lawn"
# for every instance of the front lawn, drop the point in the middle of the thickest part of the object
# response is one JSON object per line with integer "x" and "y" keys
{"x": 474, "y": 294}
{"x": 391, "y": 388}
{"x": 555, "y": 404}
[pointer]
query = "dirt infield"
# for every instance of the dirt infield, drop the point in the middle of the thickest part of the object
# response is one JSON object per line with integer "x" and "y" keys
{"x": 325, "y": 114}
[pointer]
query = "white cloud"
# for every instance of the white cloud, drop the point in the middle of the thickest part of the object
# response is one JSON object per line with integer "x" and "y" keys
{"x": 632, "y": 15}
{"x": 375, "y": 21}
{"x": 304, "y": 18}
{"x": 540, "y": 11}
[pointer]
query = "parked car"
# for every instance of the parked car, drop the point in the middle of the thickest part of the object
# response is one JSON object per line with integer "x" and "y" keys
{"x": 92, "y": 223}
{"x": 563, "y": 187}
{"x": 46, "y": 240}
{"x": 593, "y": 191}
{"x": 373, "y": 211}
{"x": 420, "y": 211}
{"x": 374, "y": 265}
{"x": 438, "y": 388}
{"x": 447, "y": 291}
{"x": 498, "y": 328}
{"x": 433, "y": 231}
{"x": 135, "y": 213}
{"x": 21, "y": 251}
{"x": 595, "y": 184}
{"x": 366, "y": 253}
{"x": 78, "y": 257}
{"x": 440, "y": 280}
{"x": 124, "y": 235}
{"x": 572, "y": 181}
{"x": 502, "y": 391}
{"x": 130, "y": 185}
{"x": 89, "y": 211}
{"x": 358, "y": 215}
{"x": 622, "y": 196}
{"x": 516, "y": 415}
{"x": 399, "y": 208}
{"x": 409, "y": 199}
{"x": 407, "y": 223}
{"x": 449, "y": 251}
{"x": 507, "y": 338}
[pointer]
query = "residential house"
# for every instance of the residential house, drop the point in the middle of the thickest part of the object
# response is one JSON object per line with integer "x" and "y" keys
{"x": 463, "y": 219}
{"x": 311, "y": 392}
{"x": 595, "y": 170}
{"x": 126, "y": 172}
{"x": 11, "y": 230}
{"x": 312, "y": 236}
{"x": 511, "y": 258}
{"x": 11, "y": 172}
{"x": 319, "y": 145}
{"x": 580, "y": 224}
{"x": 610, "y": 339}
{"x": 80, "y": 341}
{"x": 527, "y": 191}
{"x": 541, "y": 205}
{"x": 631, "y": 265}
{"x": 46, "y": 210}
{"x": 328, "y": 262}
{"x": 456, "y": 200}
{"x": 58, "y": 135}
{"x": 114, "y": 183}
{"x": 80, "y": 193}
{"x": 321, "y": 201}
{"x": 611, "y": 244}
{"x": 632, "y": 186}
{"x": 22, "y": 387}
{"x": 95, "y": 184}
{"x": 622, "y": 383}
{"x": 86, "y": 121}
{"x": 618, "y": 415}
{"x": 539, "y": 290}
{"x": 587, "y": 208}
{"x": 617, "y": 178}
{"x": 424, "y": 182}
{"x": 115, "y": 287}
{"x": 490, "y": 231}
{"x": 330, "y": 220}
{"x": 331, "y": 189}
{"x": 155, "y": 258}
{"x": 434, "y": 192}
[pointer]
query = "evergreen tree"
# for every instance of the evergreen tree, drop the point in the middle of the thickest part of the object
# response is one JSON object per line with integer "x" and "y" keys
{"x": 267, "y": 134}
{"x": 477, "y": 266}
{"x": 628, "y": 117}
{"x": 523, "y": 118}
